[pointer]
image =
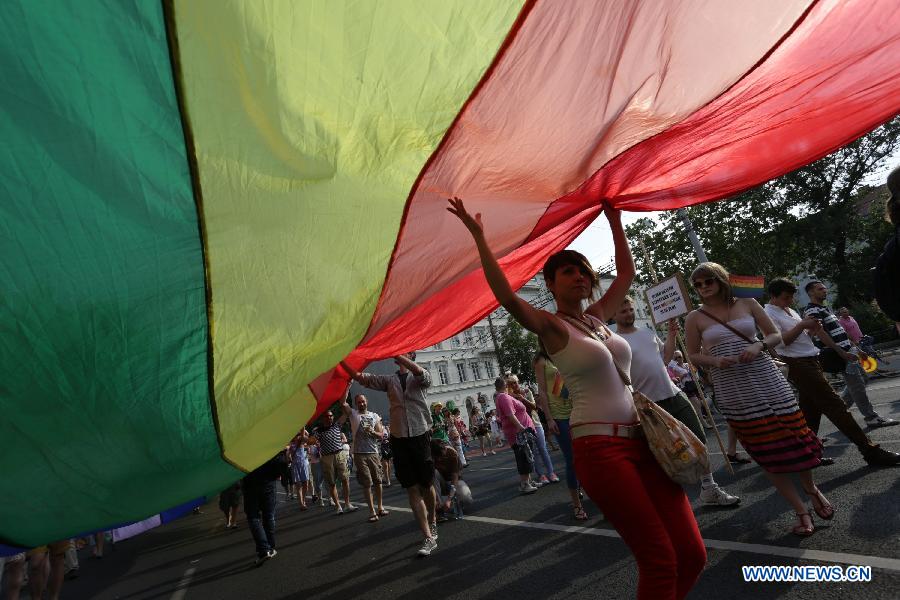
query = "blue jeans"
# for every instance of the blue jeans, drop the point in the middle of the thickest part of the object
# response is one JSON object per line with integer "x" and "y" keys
{"x": 542, "y": 452}
{"x": 564, "y": 439}
{"x": 259, "y": 506}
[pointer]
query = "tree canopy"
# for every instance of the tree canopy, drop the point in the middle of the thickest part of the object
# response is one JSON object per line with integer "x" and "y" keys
{"x": 825, "y": 219}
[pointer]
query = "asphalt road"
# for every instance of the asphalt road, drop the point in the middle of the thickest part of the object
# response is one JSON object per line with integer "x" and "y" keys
{"x": 521, "y": 546}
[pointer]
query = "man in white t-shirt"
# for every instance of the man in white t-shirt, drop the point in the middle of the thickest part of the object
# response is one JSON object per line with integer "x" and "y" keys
{"x": 817, "y": 397}
{"x": 367, "y": 429}
{"x": 649, "y": 376}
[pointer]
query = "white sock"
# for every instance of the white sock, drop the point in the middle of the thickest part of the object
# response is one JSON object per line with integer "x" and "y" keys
{"x": 707, "y": 481}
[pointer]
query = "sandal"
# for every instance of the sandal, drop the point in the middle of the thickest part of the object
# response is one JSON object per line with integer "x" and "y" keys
{"x": 804, "y": 530}
{"x": 373, "y": 518}
{"x": 580, "y": 515}
{"x": 821, "y": 505}
{"x": 739, "y": 460}
{"x": 383, "y": 513}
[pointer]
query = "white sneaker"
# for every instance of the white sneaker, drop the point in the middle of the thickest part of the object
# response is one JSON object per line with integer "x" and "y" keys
{"x": 428, "y": 546}
{"x": 715, "y": 495}
{"x": 351, "y": 508}
{"x": 525, "y": 487}
{"x": 433, "y": 529}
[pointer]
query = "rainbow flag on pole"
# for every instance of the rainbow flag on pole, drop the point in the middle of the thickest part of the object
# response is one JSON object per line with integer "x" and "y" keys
{"x": 747, "y": 286}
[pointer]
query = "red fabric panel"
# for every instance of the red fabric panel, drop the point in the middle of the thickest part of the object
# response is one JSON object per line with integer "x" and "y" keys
{"x": 835, "y": 76}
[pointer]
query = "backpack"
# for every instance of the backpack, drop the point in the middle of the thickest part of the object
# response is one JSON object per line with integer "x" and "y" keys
{"x": 887, "y": 278}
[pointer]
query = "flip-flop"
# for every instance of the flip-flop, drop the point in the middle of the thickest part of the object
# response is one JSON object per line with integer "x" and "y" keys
{"x": 373, "y": 518}
{"x": 383, "y": 513}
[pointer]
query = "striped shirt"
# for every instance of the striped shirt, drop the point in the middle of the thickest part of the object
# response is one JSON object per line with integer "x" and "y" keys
{"x": 330, "y": 440}
{"x": 830, "y": 324}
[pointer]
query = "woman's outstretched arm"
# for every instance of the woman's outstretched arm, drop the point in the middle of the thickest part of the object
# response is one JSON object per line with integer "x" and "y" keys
{"x": 607, "y": 306}
{"x": 538, "y": 321}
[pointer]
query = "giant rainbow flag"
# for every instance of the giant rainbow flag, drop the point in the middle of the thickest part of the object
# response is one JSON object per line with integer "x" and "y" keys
{"x": 206, "y": 204}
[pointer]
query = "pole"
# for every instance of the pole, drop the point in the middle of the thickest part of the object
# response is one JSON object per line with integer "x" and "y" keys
{"x": 500, "y": 361}
{"x": 692, "y": 234}
{"x": 683, "y": 347}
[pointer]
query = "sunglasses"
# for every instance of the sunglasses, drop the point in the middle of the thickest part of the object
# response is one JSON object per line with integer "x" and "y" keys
{"x": 699, "y": 283}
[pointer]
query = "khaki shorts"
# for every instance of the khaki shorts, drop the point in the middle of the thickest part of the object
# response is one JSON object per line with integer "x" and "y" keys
{"x": 368, "y": 469}
{"x": 54, "y": 548}
{"x": 334, "y": 467}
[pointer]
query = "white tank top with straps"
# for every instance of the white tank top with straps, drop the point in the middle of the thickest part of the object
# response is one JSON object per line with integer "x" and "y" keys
{"x": 596, "y": 390}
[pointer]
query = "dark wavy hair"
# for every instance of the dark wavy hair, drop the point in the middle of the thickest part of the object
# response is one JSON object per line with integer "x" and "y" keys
{"x": 570, "y": 257}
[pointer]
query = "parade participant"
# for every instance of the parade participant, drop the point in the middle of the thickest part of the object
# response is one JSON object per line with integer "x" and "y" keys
{"x": 687, "y": 385}
{"x": 831, "y": 337}
{"x": 410, "y": 438}
{"x": 384, "y": 450}
{"x": 817, "y": 397}
{"x": 300, "y": 466}
{"x": 314, "y": 452}
{"x": 366, "y": 428}
{"x": 553, "y": 398}
{"x": 46, "y": 569}
{"x": 454, "y": 435}
{"x": 464, "y": 433}
{"x": 649, "y": 356}
{"x": 481, "y": 427}
{"x": 517, "y": 426}
{"x": 229, "y": 501}
{"x": 439, "y": 426}
{"x": 750, "y": 390}
{"x": 612, "y": 458}
{"x": 496, "y": 429}
{"x": 258, "y": 488}
{"x": 542, "y": 462}
{"x": 334, "y": 461}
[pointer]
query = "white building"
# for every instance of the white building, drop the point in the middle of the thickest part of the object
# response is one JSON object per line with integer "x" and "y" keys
{"x": 463, "y": 368}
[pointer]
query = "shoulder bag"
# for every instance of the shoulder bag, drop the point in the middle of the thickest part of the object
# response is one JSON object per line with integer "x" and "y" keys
{"x": 679, "y": 452}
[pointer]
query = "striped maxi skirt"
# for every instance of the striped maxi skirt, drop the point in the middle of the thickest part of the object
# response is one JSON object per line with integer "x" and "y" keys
{"x": 760, "y": 406}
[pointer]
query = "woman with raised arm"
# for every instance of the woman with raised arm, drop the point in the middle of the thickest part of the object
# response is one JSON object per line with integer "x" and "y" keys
{"x": 751, "y": 392}
{"x": 612, "y": 459}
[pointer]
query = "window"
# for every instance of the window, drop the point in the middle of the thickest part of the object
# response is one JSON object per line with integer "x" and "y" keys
{"x": 443, "y": 375}
{"x": 489, "y": 368}
{"x": 476, "y": 370}
{"x": 467, "y": 335}
{"x": 461, "y": 370}
{"x": 455, "y": 341}
{"x": 439, "y": 346}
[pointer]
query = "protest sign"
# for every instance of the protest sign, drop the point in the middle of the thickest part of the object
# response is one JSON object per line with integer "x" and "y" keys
{"x": 668, "y": 299}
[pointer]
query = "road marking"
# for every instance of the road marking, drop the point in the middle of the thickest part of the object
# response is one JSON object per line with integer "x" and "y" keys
{"x": 182, "y": 587}
{"x": 880, "y": 562}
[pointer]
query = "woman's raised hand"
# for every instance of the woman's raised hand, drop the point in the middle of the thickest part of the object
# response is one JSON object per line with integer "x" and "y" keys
{"x": 613, "y": 215}
{"x": 472, "y": 224}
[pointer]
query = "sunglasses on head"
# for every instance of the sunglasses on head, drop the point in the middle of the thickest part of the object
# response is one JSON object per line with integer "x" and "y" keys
{"x": 699, "y": 283}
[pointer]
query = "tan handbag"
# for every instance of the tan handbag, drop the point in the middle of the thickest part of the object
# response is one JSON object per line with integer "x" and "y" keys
{"x": 676, "y": 448}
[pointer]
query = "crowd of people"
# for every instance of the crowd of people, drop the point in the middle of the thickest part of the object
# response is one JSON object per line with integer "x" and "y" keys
{"x": 586, "y": 373}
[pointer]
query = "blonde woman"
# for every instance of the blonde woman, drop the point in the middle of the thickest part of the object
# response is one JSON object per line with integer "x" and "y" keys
{"x": 750, "y": 390}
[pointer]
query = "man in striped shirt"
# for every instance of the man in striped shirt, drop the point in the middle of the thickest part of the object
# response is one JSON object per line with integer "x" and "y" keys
{"x": 833, "y": 336}
{"x": 334, "y": 466}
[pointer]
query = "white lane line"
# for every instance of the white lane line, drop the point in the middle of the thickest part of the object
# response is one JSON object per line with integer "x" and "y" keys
{"x": 182, "y": 587}
{"x": 880, "y": 562}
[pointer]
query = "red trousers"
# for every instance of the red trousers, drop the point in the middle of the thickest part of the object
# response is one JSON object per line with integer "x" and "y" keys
{"x": 649, "y": 510}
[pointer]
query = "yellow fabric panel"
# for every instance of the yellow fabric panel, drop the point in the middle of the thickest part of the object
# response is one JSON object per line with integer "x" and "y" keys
{"x": 311, "y": 122}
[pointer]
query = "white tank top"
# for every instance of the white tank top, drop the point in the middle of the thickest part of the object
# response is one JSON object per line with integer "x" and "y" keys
{"x": 595, "y": 387}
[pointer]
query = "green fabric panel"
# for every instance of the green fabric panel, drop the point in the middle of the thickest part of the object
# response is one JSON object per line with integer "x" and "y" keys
{"x": 103, "y": 361}
{"x": 312, "y": 121}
